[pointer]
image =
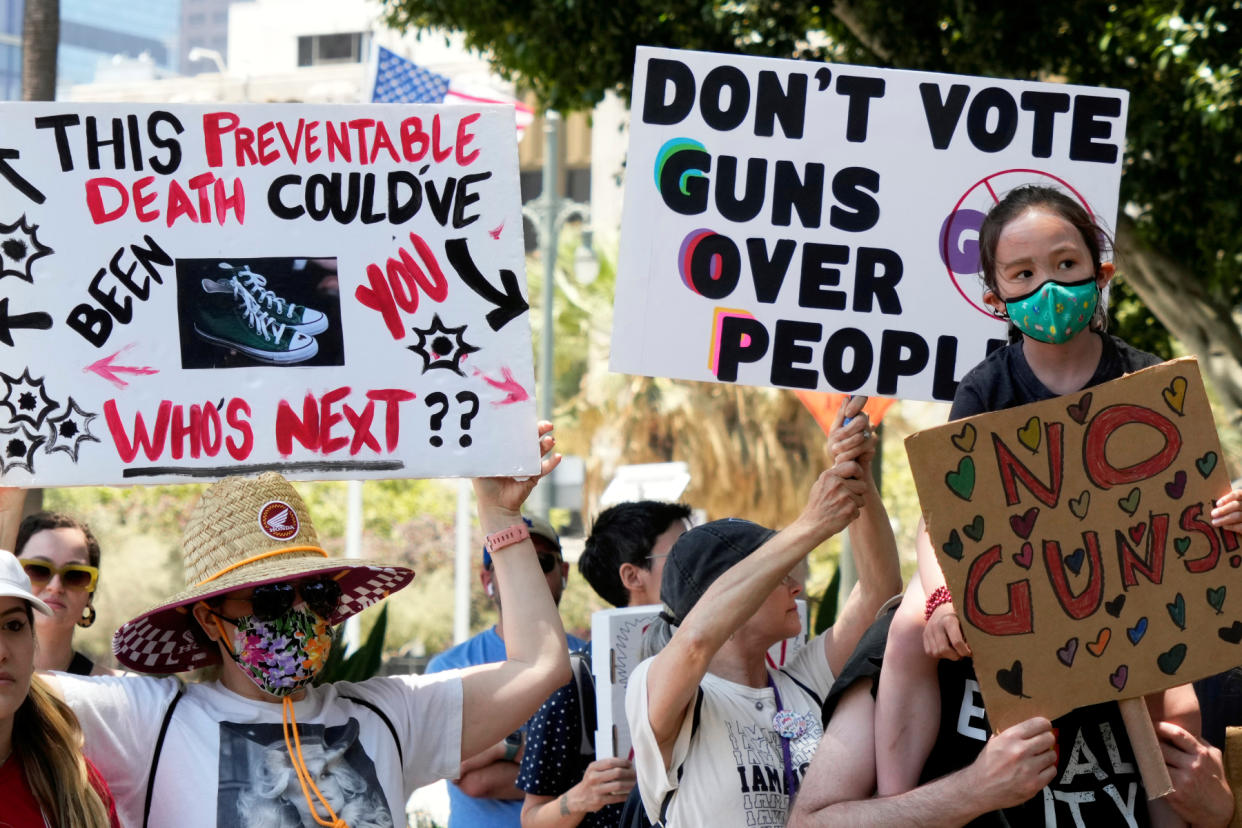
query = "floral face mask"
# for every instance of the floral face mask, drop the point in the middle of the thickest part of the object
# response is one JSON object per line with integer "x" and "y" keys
{"x": 284, "y": 654}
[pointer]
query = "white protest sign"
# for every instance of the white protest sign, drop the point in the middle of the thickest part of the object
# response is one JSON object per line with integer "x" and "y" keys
{"x": 329, "y": 291}
{"x": 806, "y": 225}
{"x": 617, "y": 638}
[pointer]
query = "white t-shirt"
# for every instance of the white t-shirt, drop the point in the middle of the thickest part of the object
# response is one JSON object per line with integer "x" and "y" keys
{"x": 224, "y": 763}
{"x": 733, "y": 767}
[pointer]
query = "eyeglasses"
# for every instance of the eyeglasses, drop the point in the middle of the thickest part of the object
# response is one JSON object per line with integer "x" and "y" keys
{"x": 270, "y": 601}
{"x": 73, "y": 576}
{"x": 548, "y": 562}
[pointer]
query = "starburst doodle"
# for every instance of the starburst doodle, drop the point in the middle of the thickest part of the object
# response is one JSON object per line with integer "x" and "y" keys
{"x": 17, "y": 449}
{"x": 70, "y": 430}
{"x": 20, "y": 248}
{"x": 26, "y": 399}
{"x": 441, "y": 346}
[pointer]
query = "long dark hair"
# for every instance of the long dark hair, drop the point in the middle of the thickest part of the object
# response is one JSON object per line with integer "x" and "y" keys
{"x": 47, "y": 742}
{"x": 32, "y": 524}
{"x": 1033, "y": 196}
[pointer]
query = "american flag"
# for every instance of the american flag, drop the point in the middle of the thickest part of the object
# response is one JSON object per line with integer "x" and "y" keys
{"x": 399, "y": 80}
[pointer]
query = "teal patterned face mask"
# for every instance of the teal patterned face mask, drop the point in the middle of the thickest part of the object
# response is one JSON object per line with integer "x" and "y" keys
{"x": 1055, "y": 312}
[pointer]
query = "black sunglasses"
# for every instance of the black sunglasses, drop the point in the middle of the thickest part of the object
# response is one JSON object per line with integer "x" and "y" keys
{"x": 270, "y": 601}
{"x": 548, "y": 562}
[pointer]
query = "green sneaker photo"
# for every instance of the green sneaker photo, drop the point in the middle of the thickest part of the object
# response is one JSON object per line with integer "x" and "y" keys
{"x": 299, "y": 317}
{"x": 228, "y": 314}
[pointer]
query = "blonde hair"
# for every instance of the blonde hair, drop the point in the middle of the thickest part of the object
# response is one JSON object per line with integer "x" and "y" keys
{"x": 47, "y": 741}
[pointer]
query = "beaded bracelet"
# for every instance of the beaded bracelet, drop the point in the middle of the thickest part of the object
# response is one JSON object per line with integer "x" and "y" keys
{"x": 940, "y": 595}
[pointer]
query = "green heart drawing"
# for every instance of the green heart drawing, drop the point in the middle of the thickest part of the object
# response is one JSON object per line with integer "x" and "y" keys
{"x": 1177, "y": 611}
{"x": 974, "y": 529}
{"x": 1169, "y": 661}
{"x": 1216, "y": 597}
{"x": 1130, "y": 503}
{"x": 1181, "y": 545}
{"x": 962, "y": 481}
{"x": 1206, "y": 464}
{"x": 1078, "y": 505}
{"x": 953, "y": 547}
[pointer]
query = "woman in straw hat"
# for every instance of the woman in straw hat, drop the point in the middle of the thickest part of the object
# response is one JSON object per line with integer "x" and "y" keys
{"x": 260, "y": 743}
{"x": 719, "y": 738}
{"x": 44, "y": 779}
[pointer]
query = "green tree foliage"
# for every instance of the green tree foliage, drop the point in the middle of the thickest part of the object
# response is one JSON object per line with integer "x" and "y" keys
{"x": 1181, "y": 250}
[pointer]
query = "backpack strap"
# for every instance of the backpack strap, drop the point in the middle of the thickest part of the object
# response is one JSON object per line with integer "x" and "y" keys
{"x": 694, "y": 728}
{"x": 384, "y": 717}
{"x": 155, "y": 755}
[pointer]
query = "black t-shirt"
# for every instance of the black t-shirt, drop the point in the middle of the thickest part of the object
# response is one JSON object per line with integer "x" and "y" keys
{"x": 1004, "y": 379}
{"x": 1097, "y": 781}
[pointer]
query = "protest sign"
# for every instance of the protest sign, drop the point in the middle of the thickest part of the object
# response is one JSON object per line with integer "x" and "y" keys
{"x": 618, "y": 636}
{"x": 328, "y": 291}
{"x": 815, "y": 226}
{"x": 1074, "y": 536}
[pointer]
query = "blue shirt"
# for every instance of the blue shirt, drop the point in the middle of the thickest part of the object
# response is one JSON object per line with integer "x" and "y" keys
{"x": 467, "y": 811}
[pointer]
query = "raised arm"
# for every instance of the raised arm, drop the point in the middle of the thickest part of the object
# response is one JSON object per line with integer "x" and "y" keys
{"x": 12, "y": 500}
{"x": 498, "y": 698}
{"x": 735, "y": 596}
{"x": 1012, "y": 768}
{"x": 871, "y": 539}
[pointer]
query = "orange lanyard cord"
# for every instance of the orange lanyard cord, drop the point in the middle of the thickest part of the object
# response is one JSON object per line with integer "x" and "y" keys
{"x": 269, "y": 554}
{"x": 303, "y": 774}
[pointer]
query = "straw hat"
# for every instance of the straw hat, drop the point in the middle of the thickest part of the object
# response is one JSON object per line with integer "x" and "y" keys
{"x": 245, "y": 531}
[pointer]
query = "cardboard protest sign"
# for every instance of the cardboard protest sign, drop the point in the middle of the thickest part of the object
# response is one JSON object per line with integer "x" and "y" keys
{"x": 193, "y": 291}
{"x": 815, "y": 226}
{"x": 617, "y": 637}
{"x": 1074, "y": 535}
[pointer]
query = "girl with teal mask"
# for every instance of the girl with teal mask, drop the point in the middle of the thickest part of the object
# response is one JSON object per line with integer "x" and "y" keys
{"x": 1041, "y": 255}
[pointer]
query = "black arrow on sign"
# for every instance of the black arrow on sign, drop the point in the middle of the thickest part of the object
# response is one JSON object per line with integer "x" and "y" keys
{"x": 12, "y": 176}
{"x": 507, "y": 299}
{"x": 37, "y": 321}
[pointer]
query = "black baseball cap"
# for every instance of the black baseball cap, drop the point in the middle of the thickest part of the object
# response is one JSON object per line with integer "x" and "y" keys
{"x": 702, "y": 555}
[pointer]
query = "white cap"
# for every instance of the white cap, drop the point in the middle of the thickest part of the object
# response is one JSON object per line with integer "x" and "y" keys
{"x": 14, "y": 583}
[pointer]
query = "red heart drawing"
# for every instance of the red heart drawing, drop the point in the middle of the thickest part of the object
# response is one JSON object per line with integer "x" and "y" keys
{"x": 1024, "y": 558}
{"x": 1078, "y": 411}
{"x": 1136, "y": 531}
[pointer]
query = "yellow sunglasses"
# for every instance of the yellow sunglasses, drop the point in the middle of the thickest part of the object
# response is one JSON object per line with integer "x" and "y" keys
{"x": 73, "y": 576}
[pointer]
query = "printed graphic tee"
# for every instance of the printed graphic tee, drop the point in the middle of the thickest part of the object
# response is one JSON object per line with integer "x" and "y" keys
{"x": 732, "y": 769}
{"x": 1097, "y": 781}
{"x": 225, "y": 764}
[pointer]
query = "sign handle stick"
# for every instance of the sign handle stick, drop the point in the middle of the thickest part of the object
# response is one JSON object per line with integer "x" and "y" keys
{"x": 1146, "y": 748}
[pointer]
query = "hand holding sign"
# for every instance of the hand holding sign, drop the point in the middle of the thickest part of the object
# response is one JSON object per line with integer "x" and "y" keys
{"x": 835, "y": 500}
{"x": 509, "y": 493}
{"x": 851, "y": 437}
{"x": 1015, "y": 764}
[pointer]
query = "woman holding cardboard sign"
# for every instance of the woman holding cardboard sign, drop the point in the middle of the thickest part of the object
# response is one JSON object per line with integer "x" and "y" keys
{"x": 720, "y": 739}
{"x": 1043, "y": 269}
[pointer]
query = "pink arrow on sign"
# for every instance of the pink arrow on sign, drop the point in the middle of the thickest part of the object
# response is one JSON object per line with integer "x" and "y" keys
{"x": 108, "y": 371}
{"x": 514, "y": 392}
